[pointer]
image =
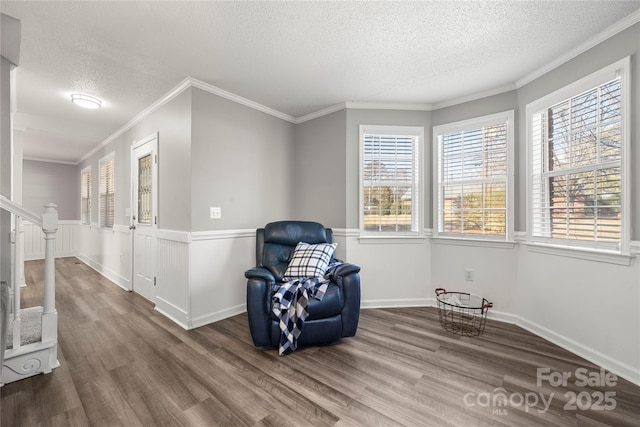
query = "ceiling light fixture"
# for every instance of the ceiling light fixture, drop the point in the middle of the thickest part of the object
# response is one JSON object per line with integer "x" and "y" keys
{"x": 86, "y": 101}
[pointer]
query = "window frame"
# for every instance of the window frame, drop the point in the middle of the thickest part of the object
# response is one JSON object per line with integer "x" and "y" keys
{"x": 507, "y": 117}
{"x": 619, "y": 69}
{"x": 102, "y": 223}
{"x": 417, "y": 228}
{"x": 86, "y": 172}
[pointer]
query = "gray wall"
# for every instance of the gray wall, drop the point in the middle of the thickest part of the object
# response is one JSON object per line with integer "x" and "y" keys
{"x": 355, "y": 118}
{"x": 320, "y": 166}
{"x": 45, "y": 182}
{"x": 242, "y": 160}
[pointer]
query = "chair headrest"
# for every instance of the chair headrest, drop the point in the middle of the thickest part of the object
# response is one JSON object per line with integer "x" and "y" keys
{"x": 292, "y": 232}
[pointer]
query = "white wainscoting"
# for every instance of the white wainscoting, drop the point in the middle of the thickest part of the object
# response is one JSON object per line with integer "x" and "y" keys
{"x": 393, "y": 273}
{"x": 200, "y": 276}
{"x": 66, "y": 240}
{"x": 217, "y": 264}
{"x": 172, "y": 286}
{"x": 108, "y": 251}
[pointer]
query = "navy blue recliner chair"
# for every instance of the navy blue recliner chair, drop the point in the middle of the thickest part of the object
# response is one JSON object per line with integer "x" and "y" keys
{"x": 330, "y": 319}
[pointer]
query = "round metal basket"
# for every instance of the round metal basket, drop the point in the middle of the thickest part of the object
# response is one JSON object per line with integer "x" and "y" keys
{"x": 462, "y": 313}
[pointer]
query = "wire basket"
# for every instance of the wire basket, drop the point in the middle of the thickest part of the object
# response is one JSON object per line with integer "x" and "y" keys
{"x": 462, "y": 313}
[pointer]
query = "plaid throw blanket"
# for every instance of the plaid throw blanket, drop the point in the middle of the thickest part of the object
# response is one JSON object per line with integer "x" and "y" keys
{"x": 290, "y": 306}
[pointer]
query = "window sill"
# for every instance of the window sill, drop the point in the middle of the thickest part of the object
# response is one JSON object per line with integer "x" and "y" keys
{"x": 608, "y": 257}
{"x": 405, "y": 239}
{"x": 458, "y": 241}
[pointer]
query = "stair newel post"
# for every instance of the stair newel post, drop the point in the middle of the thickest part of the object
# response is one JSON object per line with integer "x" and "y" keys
{"x": 49, "y": 314}
{"x": 50, "y": 227}
{"x": 16, "y": 283}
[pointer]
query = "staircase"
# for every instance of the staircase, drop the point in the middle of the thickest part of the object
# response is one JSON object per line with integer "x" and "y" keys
{"x": 30, "y": 335}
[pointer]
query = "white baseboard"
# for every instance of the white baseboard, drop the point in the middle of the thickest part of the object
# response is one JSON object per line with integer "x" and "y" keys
{"x": 398, "y": 303}
{"x": 123, "y": 282}
{"x": 37, "y": 256}
{"x": 177, "y": 315}
{"x": 504, "y": 317}
{"x": 621, "y": 369}
{"x": 218, "y": 315}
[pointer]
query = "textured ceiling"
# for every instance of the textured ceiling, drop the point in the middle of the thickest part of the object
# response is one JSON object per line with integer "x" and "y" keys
{"x": 294, "y": 57}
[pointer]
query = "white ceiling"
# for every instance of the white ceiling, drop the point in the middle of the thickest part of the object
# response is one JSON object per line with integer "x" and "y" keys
{"x": 293, "y": 57}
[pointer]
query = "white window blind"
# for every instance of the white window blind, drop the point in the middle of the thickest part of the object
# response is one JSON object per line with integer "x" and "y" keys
{"x": 577, "y": 167}
{"x": 390, "y": 179}
{"x": 107, "y": 192}
{"x": 473, "y": 163}
{"x": 85, "y": 196}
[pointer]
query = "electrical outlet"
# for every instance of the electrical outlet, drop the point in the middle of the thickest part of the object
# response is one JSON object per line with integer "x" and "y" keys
{"x": 468, "y": 275}
{"x": 215, "y": 212}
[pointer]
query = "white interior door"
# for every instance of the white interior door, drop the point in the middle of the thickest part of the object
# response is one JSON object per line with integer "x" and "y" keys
{"x": 144, "y": 215}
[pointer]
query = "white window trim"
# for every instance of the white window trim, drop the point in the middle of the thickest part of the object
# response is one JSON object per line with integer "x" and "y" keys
{"x": 584, "y": 249}
{"x": 488, "y": 120}
{"x": 82, "y": 172}
{"x": 108, "y": 157}
{"x": 394, "y": 130}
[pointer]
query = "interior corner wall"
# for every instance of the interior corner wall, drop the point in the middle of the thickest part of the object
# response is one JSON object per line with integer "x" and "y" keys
{"x": 494, "y": 268}
{"x": 320, "y": 167}
{"x": 46, "y": 182}
{"x": 242, "y": 161}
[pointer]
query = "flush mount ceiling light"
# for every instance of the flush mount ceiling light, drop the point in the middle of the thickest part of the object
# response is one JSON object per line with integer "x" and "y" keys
{"x": 86, "y": 101}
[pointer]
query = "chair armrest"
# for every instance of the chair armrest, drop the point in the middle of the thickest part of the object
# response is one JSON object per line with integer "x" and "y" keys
{"x": 345, "y": 269}
{"x": 347, "y": 277}
{"x": 260, "y": 273}
{"x": 259, "y": 284}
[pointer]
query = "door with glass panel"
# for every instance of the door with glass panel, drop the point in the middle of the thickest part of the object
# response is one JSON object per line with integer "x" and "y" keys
{"x": 144, "y": 215}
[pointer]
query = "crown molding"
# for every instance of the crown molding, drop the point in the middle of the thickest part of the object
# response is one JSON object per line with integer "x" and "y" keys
{"x": 184, "y": 85}
{"x": 363, "y": 106}
{"x": 238, "y": 99}
{"x": 610, "y": 31}
{"x": 61, "y": 162}
{"x": 491, "y": 92}
{"x": 320, "y": 113}
{"x": 187, "y": 83}
{"x": 388, "y": 106}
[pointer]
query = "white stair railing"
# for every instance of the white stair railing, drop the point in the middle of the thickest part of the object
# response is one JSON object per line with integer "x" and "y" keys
{"x": 49, "y": 224}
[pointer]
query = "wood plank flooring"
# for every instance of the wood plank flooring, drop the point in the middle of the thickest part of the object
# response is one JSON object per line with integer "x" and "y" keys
{"x": 123, "y": 364}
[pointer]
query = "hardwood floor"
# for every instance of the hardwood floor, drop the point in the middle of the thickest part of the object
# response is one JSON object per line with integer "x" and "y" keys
{"x": 123, "y": 364}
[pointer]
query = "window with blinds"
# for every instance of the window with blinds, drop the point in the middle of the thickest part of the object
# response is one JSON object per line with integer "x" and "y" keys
{"x": 390, "y": 178}
{"x": 473, "y": 163}
{"x": 577, "y": 165}
{"x": 85, "y": 196}
{"x": 107, "y": 192}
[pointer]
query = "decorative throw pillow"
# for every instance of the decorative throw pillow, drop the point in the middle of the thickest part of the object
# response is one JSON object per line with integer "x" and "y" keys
{"x": 309, "y": 260}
